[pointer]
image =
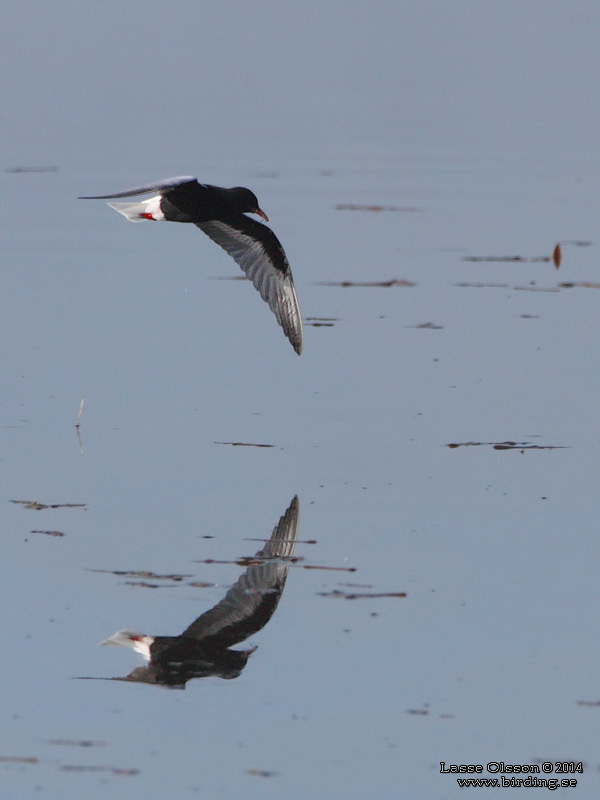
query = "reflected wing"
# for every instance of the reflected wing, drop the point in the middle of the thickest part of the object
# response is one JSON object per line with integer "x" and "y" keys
{"x": 162, "y": 187}
{"x": 250, "y": 603}
{"x": 260, "y": 255}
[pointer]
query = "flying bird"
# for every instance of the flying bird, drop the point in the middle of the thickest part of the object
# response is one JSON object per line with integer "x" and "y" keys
{"x": 204, "y": 647}
{"x": 221, "y": 214}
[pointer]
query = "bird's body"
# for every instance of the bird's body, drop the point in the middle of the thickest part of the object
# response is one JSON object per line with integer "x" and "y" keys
{"x": 204, "y": 647}
{"x": 221, "y": 214}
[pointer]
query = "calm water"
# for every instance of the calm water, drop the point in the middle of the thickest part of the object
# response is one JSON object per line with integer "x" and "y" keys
{"x": 484, "y": 121}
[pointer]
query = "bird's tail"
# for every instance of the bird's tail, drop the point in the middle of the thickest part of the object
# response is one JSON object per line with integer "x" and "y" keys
{"x": 138, "y": 641}
{"x": 134, "y": 212}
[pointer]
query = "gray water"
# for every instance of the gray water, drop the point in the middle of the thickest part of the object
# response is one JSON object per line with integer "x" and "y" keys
{"x": 481, "y": 122}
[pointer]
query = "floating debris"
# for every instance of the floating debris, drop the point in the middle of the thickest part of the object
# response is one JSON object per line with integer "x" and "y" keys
{"x": 245, "y": 444}
{"x": 509, "y": 259}
{"x": 19, "y": 760}
{"x": 330, "y": 569}
{"x": 146, "y": 585}
{"x": 252, "y": 561}
{"x": 557, "y": 256}
{"x": 357, "y": 585}
{"x": 96, "y": 768}
{"x": 360, "y": 207}
{"x": 298, "y": 541}
{"x": 320, "y": 322}
{"x": 483, "y": 285}
{"x": 35, "y": 506}
{"x": 338, "y": 594}
{"x": 533, "y": 288}
{"x": 262, "y": 773}
{"x": 580, "y": 285}
{"x": 143, "y": 574}
{"x": 18, "y": 170}
{"x": 76, "y": 742}
{"x": 588, "y": 703}
{"x": 382, "y": 284}
{"x": 247, "y": 561}
{"x": 428, "y": 325}
{"x": 418, "y": 712}
{"x": 77, "y": 421}
{"x": 50, "y": 533}
{"x": 509, "y": 445}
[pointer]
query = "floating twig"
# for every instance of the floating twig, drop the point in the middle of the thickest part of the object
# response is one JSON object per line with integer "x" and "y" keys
{"x": 77, "y": 421}
{"x": 508, "y": 445}
{"x": 338, "y": 594}
{"x": 245, "y": 444}
{"x": 379, "y": 284}
{"x": 141, "y": 573}
{"x": 18, "y": 170}
{"x": 360, "y": 207}
{"x": 35, "y": 506}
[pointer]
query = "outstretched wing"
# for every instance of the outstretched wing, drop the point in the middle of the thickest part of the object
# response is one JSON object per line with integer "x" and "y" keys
{"x": 252, "y": 600}
{"x": 259, "y": 253}
{"x": 162, "y": 187}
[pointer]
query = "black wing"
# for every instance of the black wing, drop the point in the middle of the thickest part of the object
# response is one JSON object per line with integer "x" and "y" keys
{"x": 257, "y": 250}
{"x": 162, "y": 187}
{"x": 251, "y": 601}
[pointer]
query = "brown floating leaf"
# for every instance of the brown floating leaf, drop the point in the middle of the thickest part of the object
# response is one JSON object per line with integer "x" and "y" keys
{"x": 359, "y": 207}
{"x": 383, "y": 284}
{"x": 35, "y": 506}
{"x": 50, "y": 533}
{"x": 245, "y": 444}
{"x": 360, "y": 595}
{"x": 557, "y": 256}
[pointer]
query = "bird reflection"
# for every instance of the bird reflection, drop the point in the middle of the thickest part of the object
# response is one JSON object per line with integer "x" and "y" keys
{"x": 203, "y": 649}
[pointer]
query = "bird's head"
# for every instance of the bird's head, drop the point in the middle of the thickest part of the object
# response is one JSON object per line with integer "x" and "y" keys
{"x": 247, "y": 202}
